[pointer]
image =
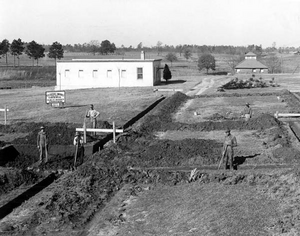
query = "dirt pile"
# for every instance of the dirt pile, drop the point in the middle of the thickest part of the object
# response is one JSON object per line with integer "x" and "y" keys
{"x": 283, "y": 92}
{"x": 153, "y": 152}
{"x": 237, "y": 83}
{"x": 59, "y": 134}
{"x": 287, "y": 154}
{"x": 162, "y": 114}
{"x": 12, "y": 178}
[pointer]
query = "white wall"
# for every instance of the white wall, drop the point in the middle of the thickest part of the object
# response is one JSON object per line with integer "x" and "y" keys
{"x": 127, "y": 78}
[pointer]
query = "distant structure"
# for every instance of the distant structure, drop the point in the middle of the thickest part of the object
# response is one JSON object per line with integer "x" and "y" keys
{"x": 101, "y": 73}
{"x": 251, "y": 65}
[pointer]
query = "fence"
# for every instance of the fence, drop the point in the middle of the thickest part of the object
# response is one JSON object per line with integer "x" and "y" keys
{"x": 5, "y": 113}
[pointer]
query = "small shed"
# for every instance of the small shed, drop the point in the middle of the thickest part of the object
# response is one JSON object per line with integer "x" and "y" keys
{"x": 251, "y": 65}
{"x": 101, "y": 73}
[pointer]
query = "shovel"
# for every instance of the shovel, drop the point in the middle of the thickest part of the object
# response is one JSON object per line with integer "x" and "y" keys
{"x": 223, "y": 154}
{"x": 75, "y": 157}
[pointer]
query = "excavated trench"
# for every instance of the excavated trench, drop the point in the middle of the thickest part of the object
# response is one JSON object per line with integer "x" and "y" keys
{"x": 20, "y": 154}
{"x": 138, "y": 158}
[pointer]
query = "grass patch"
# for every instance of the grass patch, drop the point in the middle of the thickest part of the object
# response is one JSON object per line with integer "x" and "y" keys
{"x": 220, "y": 210}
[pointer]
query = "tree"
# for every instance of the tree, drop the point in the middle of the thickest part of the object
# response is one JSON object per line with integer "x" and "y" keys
{"x": 56, "y": 51}
{"x": 4, "y": 48}
{"x": 94, "y": 46}
{"x": 16, "y": 49}
{"x": 140, "y": 46}
{"x": 206, "y": 61}
{"x": 179, "y": 48}
{"x": 187, "y": 53}
{"x": 113, "y": 48}
{"x": 233, "y": 61}
{"x": 274, "y": 63}
{"x": 171, "y": 57}
{"x": 158, "y": 45}
{"x": 167, "y": 73}
{"x": 35, "y": 51}
{"x": 107, "y": 47}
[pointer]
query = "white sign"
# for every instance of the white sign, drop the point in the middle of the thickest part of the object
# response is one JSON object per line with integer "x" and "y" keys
{"x": 56, "y": 97}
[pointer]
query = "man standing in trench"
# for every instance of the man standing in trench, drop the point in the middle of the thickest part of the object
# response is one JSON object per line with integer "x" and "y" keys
{"x": 247, "y": 112}
{"x": 42, "y": 144}
{"x": 79, "y": 149}
{"x": 227, "y": 153}
{"x": 92, "y": 114}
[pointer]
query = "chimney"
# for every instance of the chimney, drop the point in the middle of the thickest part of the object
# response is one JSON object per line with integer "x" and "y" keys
{"x": 142, "y": 55}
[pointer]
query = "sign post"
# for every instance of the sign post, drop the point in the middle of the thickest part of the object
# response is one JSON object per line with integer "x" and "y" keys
{"x": 55, "y": 98}
{"x": 5, "y": 113}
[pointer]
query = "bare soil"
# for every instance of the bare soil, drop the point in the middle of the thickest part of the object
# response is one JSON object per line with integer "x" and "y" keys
{"x": 122, "y": 189}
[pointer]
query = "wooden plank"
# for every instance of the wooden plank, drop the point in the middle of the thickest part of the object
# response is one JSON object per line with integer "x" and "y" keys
{"x": 287, "y": 114}
{"x": 100, "y": 130}
{"x": 3, "y": 109}
{"x": 167, "y": 90}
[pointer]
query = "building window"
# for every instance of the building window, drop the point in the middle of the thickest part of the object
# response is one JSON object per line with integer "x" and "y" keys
{"x": 123, "y": 73}
{"x": 262, "y": 70}
{"x": 237, "y": 70}
{"x": 140, "y": 73}
{"x": 67, "y": 73}
{"x": 80, "y": 74}
{"x": 109, "y": 74}
{"x": 253, "y": 70}
{"x": 95, "y": 73}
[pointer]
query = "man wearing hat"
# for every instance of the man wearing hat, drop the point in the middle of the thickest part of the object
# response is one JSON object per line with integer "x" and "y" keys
{"x": 247, "y": 112}
{"x": 42, "y": 144}
{"x": 79, "y": 149}
{"x": 92, "y": 114}
{"x": 229, "y": 143}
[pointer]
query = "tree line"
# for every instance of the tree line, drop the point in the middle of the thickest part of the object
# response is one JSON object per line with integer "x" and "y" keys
{"x": 56, "y": 50}
{"x": 33, "y": 50}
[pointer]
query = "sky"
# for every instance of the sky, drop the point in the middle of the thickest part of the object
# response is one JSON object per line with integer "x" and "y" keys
{"x": 172, "y": 22}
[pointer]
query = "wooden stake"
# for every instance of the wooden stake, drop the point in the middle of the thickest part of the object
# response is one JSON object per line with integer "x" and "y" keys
{"x": 114, "y": 131}
{"x": 84, "y": 131}
{"x": 5, "y": 114}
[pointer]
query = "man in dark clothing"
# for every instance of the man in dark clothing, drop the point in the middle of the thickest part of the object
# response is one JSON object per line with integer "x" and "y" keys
{"x": 79, "y": 149}
{"x": 42, "y": 145}
{"x": 229, "y": 143}
{"x": 247, "y": 112}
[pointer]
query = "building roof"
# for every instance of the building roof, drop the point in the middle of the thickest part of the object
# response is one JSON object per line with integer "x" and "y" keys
{"x": 109, "y": 60}
{"x": 250, "y": 64}
{"x": 250, "y": 54}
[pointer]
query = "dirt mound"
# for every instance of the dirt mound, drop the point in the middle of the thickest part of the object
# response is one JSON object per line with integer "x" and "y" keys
{"x": 287, "y": 154}
{"x": 58, "y": 133}
{"x": 171, "y": 153}
{"x": 279, "y": 93}
{"x": 161, "y": 115}
{"x": 161, "y": 119}
{"x": 217, "y": 117}
{"x": 12, "y": 178}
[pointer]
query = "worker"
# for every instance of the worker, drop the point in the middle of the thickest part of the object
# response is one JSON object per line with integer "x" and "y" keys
{"x": 79, "y": 149}
{"x": 42, "y": 145}
{"x": 92, "y": 114}
{"x": 247, "y": 112}
{"x": 229, "y": 143}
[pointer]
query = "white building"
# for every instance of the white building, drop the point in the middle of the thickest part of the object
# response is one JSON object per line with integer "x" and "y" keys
{"x": 100, "y": 73}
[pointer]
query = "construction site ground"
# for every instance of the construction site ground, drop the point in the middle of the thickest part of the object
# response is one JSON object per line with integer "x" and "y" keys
{"x": 161, "y": 176}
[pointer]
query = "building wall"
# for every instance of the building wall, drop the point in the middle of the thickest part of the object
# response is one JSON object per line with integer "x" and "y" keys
{"x": 251, "y": 71}
{"x": 97, "y": 74}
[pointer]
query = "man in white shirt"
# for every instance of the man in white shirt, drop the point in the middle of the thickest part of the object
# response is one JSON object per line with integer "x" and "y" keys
{"x": 92, "y": 114}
